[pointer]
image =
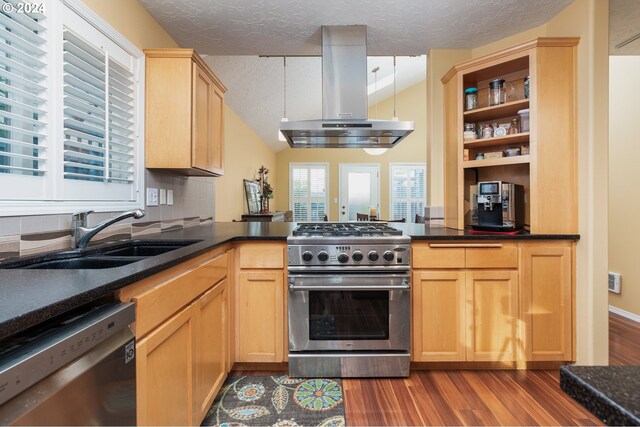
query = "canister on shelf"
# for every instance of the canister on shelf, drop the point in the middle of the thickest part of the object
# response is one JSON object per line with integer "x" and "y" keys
{"x": 470, "y": 98}
{"x": 524, "y": 149}
{"x": 524, "y": 120}
{"x": 480, "y": 156}
{"x": 496, "y": 92}
{"x": 514, "y": 128}
{"x": 469, "y": 131}
{"x": 512, "y": 151}
{"x": 465, "y": 154}
{"x": 487, "y": 131}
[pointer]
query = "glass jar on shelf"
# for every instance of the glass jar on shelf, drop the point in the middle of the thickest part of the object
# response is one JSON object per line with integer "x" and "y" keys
{"x": 470, "y": 98}
{"x": 487, "y": 131}
{"x": 514, "y": 128}
{"x": 469, "y": 131}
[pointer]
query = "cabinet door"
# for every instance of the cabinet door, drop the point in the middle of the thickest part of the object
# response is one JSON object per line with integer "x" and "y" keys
{"x": 202, "y": 132}
{"x": 211, "y": 345}
{"x": 492, "y": 315}
{"x": 547, "y": 289}
{"x": 260, "y": 313}
{"x": 164, "y": 374}
{"x": 438, "y": 316}
{"x": 217, "y": 141}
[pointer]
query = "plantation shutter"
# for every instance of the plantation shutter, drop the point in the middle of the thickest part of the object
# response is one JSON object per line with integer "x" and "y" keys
{"x": 308, "y": 192}
{"x": 98, "y": 114}
{"x": 85, "y": 148}
{"x": 299, "y": 191}
{"x": 22, "y": 95}
{"x": 408, "y": 191}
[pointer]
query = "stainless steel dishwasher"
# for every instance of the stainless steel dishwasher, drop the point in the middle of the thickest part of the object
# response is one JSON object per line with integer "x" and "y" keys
{"x": 76, "y": 369}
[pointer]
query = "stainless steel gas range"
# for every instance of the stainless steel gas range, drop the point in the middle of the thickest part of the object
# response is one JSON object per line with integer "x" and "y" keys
{"x": 349, "y": 300}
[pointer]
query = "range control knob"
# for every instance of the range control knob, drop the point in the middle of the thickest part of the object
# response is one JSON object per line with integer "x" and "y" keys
{"x": 307, "y": 256}
{"x": 357, "y": 256}
{"x": 388, "y": 256}
{"x": 323, "y": 256}
{"x": 373, "y": 256}
{"x": 343, "y": 258}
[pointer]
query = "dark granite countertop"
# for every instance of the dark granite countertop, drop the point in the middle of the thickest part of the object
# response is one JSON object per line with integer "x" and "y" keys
{"x": 28, "y": 297}
{"x": 612, "y": 393}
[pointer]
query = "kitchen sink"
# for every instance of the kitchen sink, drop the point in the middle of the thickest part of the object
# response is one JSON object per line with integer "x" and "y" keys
{"x": 108, "y": 255}
{"x": 136, "y": 250}
{"x": 83, "y": 263}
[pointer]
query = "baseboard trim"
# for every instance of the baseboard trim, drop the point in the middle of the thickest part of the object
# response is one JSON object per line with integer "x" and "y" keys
{"x": 624, "y": 313}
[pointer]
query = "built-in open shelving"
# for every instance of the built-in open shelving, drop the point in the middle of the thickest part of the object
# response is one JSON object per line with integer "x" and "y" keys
{"x": 507, "y": 109}
{"x": 498, "y": 161}
{"x": 497, "y": 141}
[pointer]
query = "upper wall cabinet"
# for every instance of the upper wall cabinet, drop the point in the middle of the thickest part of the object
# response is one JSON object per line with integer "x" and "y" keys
{"x": 539, "y": 151}
{"x": 184, "y": 113}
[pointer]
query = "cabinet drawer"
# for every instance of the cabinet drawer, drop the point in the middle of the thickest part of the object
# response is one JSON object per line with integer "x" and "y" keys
{"x": 261, "y": 255}
{"x": 434, "y": 255}
{"x": 162, "y": 301}
{"x": 494, "y": 255}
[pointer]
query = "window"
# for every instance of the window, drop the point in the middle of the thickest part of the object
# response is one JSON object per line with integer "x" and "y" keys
{"x": 407, "y": 190}
{"x": 71, "y": 105}
{"x": 308, "y": 191}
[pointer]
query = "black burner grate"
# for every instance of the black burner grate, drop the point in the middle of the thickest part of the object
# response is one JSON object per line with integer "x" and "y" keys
{"x": 346, "y": 229}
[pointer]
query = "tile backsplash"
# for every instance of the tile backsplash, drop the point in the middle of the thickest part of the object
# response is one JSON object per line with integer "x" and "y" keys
{"x": 193, "y": 204}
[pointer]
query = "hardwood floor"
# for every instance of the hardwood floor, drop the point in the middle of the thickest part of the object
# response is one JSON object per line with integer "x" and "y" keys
{"x": 463, "y": 398}
{"x": 478, "y": 397}
{"x": 624, "y": 341}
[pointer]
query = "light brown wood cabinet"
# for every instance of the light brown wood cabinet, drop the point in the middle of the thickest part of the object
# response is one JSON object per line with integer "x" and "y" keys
{"x": 182, "y": 332}
{"x": 438, "y": 312}
{"x": 184, "y": 116}
{"x": 165, "y": 371}
{"x": 546, "y": 301}
{"x": 492, "y": 315}
{"x": 211, "y": 346}
{"x": 260, "y": 303}
{"x": 507, "y": 302}
{"x": 548, "y": 170}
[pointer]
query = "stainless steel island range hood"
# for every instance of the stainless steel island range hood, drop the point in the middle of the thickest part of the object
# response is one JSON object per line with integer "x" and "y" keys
{"x": 344, "y": 121}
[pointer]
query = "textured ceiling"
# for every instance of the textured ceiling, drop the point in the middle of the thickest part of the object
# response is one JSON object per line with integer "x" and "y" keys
{"x": 256, "y": 88}
{"x": 292, "y": 27}
{"x": 624, "y": 23}
{"x": 231, "y": 33}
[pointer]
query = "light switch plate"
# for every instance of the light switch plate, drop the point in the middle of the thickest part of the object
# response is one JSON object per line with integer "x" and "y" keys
{"x": 170, "y": 197}
{"x": 163, "y": 196}
{"x": 152, "y": 197}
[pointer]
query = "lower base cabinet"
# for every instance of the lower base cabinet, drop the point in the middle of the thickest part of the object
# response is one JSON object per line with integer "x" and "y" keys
{"x": 546, "y": 301}
{"x": 211, "y": 351}
{"x": 465, "y": 316}
{"x": 492, "y": 315}
{"x": 521, "y": 310}
{"x": 165, "y": 371}
{"x": 181, "y": 365}
{"x": 260, "y": 316}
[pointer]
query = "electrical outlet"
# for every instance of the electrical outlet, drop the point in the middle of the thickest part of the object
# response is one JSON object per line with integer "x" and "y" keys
{"x": 152, "y": 197}
{"x": 170, "y": 197}
{"x": 163, "y": 196}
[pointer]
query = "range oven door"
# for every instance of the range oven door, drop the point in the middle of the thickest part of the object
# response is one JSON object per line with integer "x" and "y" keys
{"x": 349, "y": 311}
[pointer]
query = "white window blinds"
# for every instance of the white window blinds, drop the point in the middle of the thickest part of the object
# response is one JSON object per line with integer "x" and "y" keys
{"x": 98, "y": 114}
{"x": 408, "y": 191}
{"x": 22, "y": 94}
{"x": 308, "y": 190}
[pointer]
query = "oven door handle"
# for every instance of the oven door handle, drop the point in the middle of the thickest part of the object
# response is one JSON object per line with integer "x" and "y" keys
{"x": 294, "y": 288}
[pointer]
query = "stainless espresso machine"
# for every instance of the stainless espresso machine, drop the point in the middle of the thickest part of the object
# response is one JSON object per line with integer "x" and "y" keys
{"x": 500, "y": 206}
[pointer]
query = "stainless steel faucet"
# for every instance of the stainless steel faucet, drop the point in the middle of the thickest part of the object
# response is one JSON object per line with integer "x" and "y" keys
{"x": 82, "y": 234}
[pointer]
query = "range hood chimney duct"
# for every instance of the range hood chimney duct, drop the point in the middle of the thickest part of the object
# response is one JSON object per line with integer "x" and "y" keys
{"x": 345, "y": 121}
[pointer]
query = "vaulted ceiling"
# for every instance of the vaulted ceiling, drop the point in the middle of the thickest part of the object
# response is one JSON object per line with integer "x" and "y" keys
{"x": 232, "y": 34}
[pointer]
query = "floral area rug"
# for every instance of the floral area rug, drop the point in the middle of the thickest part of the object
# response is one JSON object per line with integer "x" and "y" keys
{"x": 277, "y": 401}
